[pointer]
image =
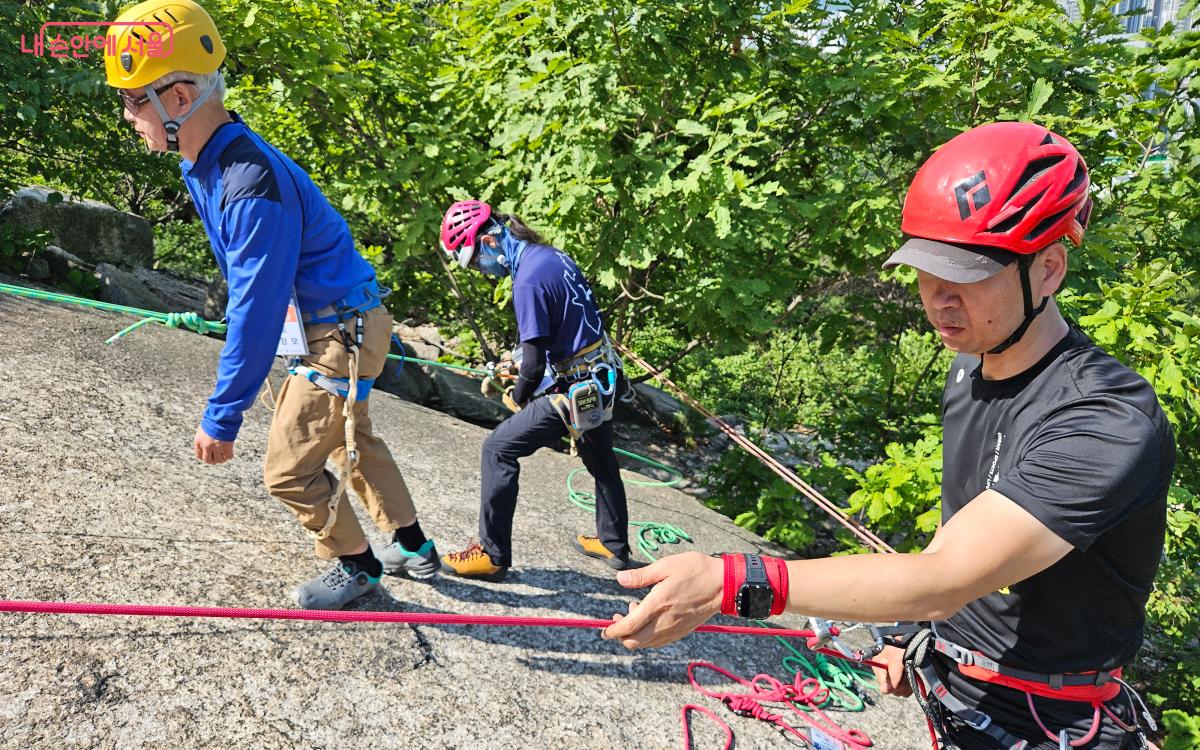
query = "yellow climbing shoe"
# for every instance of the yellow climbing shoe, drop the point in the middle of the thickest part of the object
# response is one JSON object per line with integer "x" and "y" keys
{"x": 592, "y": 547}
{"x": 474, "y": 562}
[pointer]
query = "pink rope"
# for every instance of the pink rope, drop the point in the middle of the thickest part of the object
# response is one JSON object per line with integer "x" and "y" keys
{"x": 766, "y": 689}
{"x": 1073, "y": 743}
{"x": 413, "y": 618}
{"x": 687, "y": 729}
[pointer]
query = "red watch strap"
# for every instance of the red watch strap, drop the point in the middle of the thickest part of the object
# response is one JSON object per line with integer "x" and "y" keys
{"x": 777, "y": 575}
{"x": 735, "y": 575}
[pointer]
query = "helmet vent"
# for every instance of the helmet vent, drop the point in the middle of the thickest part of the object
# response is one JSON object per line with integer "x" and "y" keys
{"x": 1016, "y": 218}
{"x": 1036, "y": 169}
{"x": 1048, "y": 140}
{"x": 1079, "y": 178}
{"x": 169, "y": 15}
{"x": 1046, "y": 223}
{"x": 135, "y": 34}
{"x": 207, "y": 43}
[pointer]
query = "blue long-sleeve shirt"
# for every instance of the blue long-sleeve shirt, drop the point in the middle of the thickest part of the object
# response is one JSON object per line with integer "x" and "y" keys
{"x": 272, "y": 231}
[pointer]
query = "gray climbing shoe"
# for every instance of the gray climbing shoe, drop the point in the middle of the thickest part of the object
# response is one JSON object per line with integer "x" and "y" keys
{"x": 335, "y": 588}
{"x": 424, "y": 563}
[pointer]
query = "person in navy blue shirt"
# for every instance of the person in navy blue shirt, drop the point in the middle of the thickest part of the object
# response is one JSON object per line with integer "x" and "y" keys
{"x": 562, "y": 345}
{"x": 275, "y": 236}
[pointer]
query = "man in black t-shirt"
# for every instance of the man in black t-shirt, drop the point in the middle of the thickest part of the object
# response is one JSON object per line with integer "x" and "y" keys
{"x": 1057, "y": 461}
{"x": 1079, "y": 442}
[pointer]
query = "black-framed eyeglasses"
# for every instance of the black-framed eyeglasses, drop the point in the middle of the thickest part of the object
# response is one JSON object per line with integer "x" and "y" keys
{"x": 133, "y": 104}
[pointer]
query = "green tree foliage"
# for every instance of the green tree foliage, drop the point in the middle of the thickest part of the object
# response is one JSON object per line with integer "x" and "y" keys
{"x": 1183, "y": 731}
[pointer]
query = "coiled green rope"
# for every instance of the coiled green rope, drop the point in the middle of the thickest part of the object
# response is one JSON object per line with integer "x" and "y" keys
{"x": 651, "y": 534}
{"x": 844, "y": 682}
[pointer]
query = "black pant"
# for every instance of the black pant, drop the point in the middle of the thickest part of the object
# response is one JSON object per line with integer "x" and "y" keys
{"x": 538, "y": 425}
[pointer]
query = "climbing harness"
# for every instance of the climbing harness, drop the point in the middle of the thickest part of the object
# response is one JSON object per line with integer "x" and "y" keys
{"x": 821, "y": 732}
{"x": 805, "y": 694}
{"x": 588, "y": 403}
{"x": 339, "y": 387}
{"x": 348, "y": 310}
{"x": 1094, "y": 688}
{"x": 587, "y": 390}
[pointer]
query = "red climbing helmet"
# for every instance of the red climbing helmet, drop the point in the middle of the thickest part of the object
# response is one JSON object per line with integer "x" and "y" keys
{"x": 1001, "y": 188}
{"x": 460, "y": 229}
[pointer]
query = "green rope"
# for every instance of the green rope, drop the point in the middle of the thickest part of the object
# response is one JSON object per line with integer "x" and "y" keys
{"x": 843, "y": 681}
{"x": 445, "y": 365}
{"x": 189, "y": 320}
{"x": 651, "y": 534}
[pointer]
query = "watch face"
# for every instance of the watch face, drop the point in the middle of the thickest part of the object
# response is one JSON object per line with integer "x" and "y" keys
{"x": 754, "y": 600}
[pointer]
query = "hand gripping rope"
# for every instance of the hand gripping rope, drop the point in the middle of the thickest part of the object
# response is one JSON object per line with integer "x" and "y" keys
{"x": 318, "y": 615}
{"x": 812, "y": 689}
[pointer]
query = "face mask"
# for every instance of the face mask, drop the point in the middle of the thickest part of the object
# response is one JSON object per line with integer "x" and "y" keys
{"x": 492, "y": 263}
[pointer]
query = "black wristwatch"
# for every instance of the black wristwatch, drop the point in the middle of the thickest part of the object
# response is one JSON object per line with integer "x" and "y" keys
{"x": 754, "y": 596}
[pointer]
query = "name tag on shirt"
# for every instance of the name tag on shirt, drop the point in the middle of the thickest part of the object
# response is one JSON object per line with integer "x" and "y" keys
{"x": 292, "y": 341}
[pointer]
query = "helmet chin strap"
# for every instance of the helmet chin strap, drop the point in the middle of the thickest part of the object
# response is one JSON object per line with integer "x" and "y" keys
{"x": 172, "y": 126}
{"x": 1031, "y": 312}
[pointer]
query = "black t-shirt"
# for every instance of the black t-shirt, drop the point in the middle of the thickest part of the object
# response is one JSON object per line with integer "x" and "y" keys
{"x": 1080, "y": 443}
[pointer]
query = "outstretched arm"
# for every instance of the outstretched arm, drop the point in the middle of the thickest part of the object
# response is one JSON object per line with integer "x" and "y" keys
{"x": 989, "y": 544}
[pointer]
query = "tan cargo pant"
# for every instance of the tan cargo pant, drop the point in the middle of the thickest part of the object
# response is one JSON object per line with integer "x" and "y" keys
{"x": 308, "y": 427}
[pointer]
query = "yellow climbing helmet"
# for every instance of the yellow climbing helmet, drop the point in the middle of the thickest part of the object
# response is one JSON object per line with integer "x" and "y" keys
{"x": 191, "y": 43}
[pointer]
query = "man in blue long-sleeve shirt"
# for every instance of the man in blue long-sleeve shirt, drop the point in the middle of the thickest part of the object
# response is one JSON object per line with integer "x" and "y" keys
{"x": 275, "y": 235}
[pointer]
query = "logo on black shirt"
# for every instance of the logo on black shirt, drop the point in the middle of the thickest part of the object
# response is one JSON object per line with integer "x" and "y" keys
{"x": 993, "y": 477}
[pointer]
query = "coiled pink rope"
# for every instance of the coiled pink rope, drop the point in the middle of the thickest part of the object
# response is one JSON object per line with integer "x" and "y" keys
{"x": 412, "y": 618}
{"x": 766, "y": 689}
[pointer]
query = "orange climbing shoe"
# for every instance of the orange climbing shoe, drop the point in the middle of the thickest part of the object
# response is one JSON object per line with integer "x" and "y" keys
{"x": 592, "y": 547}
{"x": 474, "y": 562}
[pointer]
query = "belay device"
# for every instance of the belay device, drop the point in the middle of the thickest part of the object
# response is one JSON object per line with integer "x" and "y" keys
{"x": 590, "y": 395}
{"x": 590, "y": 401}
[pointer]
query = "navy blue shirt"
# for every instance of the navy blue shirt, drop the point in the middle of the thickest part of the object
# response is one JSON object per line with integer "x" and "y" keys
{"x": 552, "y": 299}
{"x": 272, "y": 231}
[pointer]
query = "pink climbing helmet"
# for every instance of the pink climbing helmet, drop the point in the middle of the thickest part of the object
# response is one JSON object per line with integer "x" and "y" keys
{"x": 460, "y": 229}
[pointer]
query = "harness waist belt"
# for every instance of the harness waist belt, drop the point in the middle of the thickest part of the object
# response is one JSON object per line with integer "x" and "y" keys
{"x": 1075, "y": 693}
{"x": 339, "y": 387}
{"x": 579, "y": 364}
{"x": 365, "y": 296}
{"x": 1078, "y": 686}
